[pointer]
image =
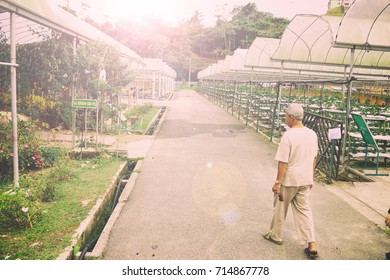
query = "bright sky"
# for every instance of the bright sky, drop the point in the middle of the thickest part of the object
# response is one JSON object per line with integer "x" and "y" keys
{"x": 171, "y": 11}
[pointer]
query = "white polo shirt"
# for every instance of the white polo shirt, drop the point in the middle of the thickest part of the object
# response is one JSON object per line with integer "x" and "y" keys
{"x": 298, "y": 148}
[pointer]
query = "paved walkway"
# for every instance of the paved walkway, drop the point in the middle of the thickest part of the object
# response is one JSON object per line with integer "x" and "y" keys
{"x": 204, "y": 192}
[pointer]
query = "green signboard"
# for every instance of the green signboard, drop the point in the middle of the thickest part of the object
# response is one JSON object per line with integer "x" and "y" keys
{"x": 85, "y": 103}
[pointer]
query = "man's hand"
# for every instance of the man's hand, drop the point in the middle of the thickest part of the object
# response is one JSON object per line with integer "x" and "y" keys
{"x": 387, "y": 221}
{"x": 276, "y": 188}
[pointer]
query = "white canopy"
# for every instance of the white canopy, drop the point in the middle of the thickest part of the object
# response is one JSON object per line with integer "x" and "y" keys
{"x": 310, "y": 39}
{"x": 34, "y": 14}
{"x": 366, "y": 26}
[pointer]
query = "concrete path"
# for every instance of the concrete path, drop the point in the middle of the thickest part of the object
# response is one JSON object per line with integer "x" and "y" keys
{"x": 204, "y": 192}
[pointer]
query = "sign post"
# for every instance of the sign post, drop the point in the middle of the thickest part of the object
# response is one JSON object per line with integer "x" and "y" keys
{"x": 333, "y": 134}
{"x": 85, "y": 103}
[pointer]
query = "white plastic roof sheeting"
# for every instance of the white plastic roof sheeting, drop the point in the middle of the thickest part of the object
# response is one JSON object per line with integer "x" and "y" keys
{"x": 156, "y": 65}
{"x": 24, "y": 34}
{"x": 260, "y": 53}
{"x": 50, "y": 15}
{"x": 232, "y": 67}
{"x": 254, "y": 64}
{"x": 370, "y": 21}
{"x": 309, "y": 39}
{"x": 316, "y": 47}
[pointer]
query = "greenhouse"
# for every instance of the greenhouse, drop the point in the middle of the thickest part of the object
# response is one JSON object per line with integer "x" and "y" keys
{"x": 333, "y": 71}
{"x": 65, "y": 72}
{"x": 156, "y": 79}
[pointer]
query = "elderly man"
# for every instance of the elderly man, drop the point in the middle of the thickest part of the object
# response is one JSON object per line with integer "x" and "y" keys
{"x": 296, "y": 156}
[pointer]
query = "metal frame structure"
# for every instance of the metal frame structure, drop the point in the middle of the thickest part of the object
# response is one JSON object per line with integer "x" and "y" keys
{"x": 320, "y": 50}
{"x": 20, "y": 17}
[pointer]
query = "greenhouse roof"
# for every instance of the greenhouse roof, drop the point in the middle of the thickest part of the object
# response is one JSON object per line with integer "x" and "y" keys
{"x": 260, "y": 53}
{"x": 254, "y": 64}
{"x": 370, "y": 21}
{"x": 310, "y": 39}
{"x": 156, "y": 65}
{"x": 231, "y": 68}
{"x": 34, "y": 14}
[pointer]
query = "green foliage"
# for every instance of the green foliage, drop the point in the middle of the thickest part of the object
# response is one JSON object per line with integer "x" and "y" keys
{"x": 191, "y": 39}
{"x": 52, "y": 230}
{"x": 91, "y": 60}
{"x": 52, "y": 155}
{"x": 42, "y": 186}
{"x": 5, "y": 97}
{"x": 45, "y": 70}
{"x": 45, "y": 76}
{"x": 22, "y": 207}
{"x": 139, "y": 110}
{"x": 338, "y": 11}
{"x": 17, "y": 211}
{"x": 36, "y": 188}
{"x": 30, "y": 155}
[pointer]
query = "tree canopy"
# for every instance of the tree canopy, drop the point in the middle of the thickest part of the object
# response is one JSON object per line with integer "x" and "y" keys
{"x": 193, "y": 42}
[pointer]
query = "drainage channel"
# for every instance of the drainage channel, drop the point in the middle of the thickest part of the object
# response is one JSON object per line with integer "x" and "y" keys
{"x": 155, "y": 122}
{"x": 95, "y": 241}
{"x": 108, "y": 209}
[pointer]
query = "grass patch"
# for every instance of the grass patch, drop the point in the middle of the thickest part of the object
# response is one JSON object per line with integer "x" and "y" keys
{"x": 48, "y": 238}
{"x": 143, "y": 121}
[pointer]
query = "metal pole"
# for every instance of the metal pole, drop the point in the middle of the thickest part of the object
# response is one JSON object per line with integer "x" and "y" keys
{"x": 277, "y": 108}
{"x": 154, "y": 85}
{"x": 189, "y": 73}
{"x": 73, "y": 96}
{"x": 159, "y": 84}
{"x": 14, "y": 102}
{"x": 97, "y": 123}
{"x": 348, "y": 105}
{"x": 331, "y": 163}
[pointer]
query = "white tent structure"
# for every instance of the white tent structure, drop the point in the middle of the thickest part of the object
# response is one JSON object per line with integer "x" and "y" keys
{"x": 36, "y": 14}
{"x": 231, "y": 68}
{"x": 156, "y": 77}
{"x": 310, "y": 40}
{"x": 325, "y": 49}
{"x": 20, "y": 18}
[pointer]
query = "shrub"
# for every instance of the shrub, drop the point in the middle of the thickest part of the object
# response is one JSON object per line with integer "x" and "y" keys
{"x": 17, "y": 211}
{"x": 32, "y": 155}
{"x": 52, "y": 155}
{"x": 42, "y": 187}
{"x": 139, "y": 110}
{"x": 37, "y": 188}
{"x": 61, "y": 172}
{"x": 29, "y": 153}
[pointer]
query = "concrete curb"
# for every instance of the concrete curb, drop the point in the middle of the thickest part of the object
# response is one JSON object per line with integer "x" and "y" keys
{"x": 86, "y": 226}
{"x": 105, "y": 235}
{"x": 101, "y": 244}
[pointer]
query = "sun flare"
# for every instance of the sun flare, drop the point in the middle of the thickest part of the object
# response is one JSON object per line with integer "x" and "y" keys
{"x": 166, "y": 10}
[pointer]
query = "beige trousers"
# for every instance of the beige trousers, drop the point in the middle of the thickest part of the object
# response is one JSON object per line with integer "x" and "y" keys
{"x": 298, "y": 197}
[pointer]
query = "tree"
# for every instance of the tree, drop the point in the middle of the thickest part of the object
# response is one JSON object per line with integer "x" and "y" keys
{"x": 5, "y": 96}
{"x": 191, "y": 39}
{"x": 45, "y": 68}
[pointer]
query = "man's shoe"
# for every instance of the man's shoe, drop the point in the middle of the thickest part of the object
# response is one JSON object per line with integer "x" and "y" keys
{"x": 311, "y": 254}
{"x": 269, "y": 238}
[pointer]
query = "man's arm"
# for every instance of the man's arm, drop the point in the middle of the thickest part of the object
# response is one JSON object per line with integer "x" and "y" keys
{"x": 282, "y": 167}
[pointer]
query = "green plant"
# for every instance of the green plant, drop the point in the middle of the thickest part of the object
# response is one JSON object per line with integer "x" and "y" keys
{"x": 30, "y": 156}
{"x": 37, "y": 188}
{"x": 137, "y": 111}
{"x": 17, "y": 211}
{"x": 62, "y": 172}
{"x": 52, "y": 155}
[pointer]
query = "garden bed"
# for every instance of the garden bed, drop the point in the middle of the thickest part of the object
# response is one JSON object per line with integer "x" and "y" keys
{"x": 73, "y": 203}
